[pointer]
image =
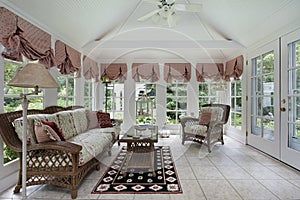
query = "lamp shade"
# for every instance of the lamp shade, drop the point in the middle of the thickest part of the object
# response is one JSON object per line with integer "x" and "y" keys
{"x": 33, "y": 75}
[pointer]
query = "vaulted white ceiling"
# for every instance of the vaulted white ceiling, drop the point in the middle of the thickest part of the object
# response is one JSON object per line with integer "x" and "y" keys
{"x": 108, "y": 29}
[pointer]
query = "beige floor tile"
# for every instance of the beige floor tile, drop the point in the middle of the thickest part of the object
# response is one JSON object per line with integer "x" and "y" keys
{"x": 218, "y": 189}
{"x": 222, "y": 160}
{"x": 234, "y": 172}
{"x": 185, "y": 172}
{"x": 191, "y": 191}
{"x": 251, "y": 189}
{"x": 261, "y": 173}
{"x": 295, "y": 182}
{"x": 151, "y": 196}
{"x": 285, "y": 172}
{"x": 203, "y": 162}
{"x": 117, "y": 196}
{"x": 282, "y": 189}
{"x": 50, "y": 192}
{"x": 207, "y": 172}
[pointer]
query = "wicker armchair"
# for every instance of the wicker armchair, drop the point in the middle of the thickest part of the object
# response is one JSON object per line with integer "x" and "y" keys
{"x": 206, "y": 133}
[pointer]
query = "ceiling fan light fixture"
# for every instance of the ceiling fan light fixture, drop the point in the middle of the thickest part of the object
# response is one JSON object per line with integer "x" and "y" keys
{"x": 155, "y": 18}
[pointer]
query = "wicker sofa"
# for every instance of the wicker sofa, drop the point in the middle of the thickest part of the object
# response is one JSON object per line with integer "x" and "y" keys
{"x": 61, "y": 163}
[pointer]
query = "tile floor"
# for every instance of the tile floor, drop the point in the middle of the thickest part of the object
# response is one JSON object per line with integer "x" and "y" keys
{"x": 232, "y": 171}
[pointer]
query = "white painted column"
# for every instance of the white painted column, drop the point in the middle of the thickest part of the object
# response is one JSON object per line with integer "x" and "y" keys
{"x": 129, "y": 100}
{"x": 161, "y": 91}
{"x": 192, "y": 94}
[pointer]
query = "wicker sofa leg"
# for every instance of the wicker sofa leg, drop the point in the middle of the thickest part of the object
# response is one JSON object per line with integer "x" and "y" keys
{"x": 74, "y": 194}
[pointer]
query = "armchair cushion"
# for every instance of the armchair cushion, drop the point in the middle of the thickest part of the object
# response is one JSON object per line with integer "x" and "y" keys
{"x": 196, "y": 129}
{"x": 205, "y": 118}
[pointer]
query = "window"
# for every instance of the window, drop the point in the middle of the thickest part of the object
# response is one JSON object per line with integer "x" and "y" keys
{"x": 294, "y": 95}
{"x": 148, "y": 90}
{"x": 262, "y": 94}
{"x": 65, "y": 90}
{"x": 176, "y": 101}
{"x": 13, "y": 101}
{"x": 236, "y": 104}
{"x": 89, "y": 98}
{"x": 208, "y": 93}
{"x": 115, "y": 99}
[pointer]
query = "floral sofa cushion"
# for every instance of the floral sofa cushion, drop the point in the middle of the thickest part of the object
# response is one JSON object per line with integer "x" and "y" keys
{"x": 18, "y": 124}
{"x": 93, "y": 142}
{"x": 66, "y": 123}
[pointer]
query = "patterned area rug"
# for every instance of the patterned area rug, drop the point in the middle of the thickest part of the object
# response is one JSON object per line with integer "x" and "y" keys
{"x": 142, "y": 181}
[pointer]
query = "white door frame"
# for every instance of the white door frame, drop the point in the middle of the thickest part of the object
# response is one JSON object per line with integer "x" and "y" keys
{"x": 270, "y": 147}
{"x": 288, "y": 155}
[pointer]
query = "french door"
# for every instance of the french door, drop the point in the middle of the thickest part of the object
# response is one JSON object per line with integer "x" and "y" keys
{"x": 274, "y": 99}
{"x": 290, "y": 99}
{"x": 263, "y": 99}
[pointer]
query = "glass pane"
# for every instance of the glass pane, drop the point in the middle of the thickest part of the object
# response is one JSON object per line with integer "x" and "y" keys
{"x": 70, "y": 87}
{"x": 213, "y": 89}
{"x": 238, "y": 121}
{"x": 119, "y": 115}
{"x": 119, "y": 104}
{"x": 70, "y": 102}
{"x": 256, "y": 126}
{"x": 171, "y": 90}
{"x": 297, "y": 53}
{"x": 232, "y": 121}
{"x": 232, "y": 84}
{"x": 61, "y": 101}
{"x": 268, "y": 62}
{"x": 150, "y": 90}
{"x": 8, "y": 154}
{"x": 294, "y": 77}
{"x": 268, "y": 84}
{"x": 238, "y": 105}
{"x": 86, "y": 103}
{"x": 182, "y": 89}
{"x": 268, "y": 108}
{"x": 203, "y": 101}
{"x": 182, "y": 103}
{"x": 171, "y": 104}
{"x": 171, "y": 117}
{"x": 36, "y": 103}
{"x": 62, "y": 86}
{"x": 232, "y": 104}
{"x": 203, "y": 89}
{"x": 12, "y": 104}
{"x": 86, "y": 88}
{"x": 238, "y": 88}
{"x": 268, "y": 129}
{"x": 294, "y": 109}
{"x": 10, "y": 70}
{"x": 294, "y": 136}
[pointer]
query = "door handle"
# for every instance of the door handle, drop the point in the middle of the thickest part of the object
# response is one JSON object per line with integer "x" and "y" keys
{"x": 282, "y": 109}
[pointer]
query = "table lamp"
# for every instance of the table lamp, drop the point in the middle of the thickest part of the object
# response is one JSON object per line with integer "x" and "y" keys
{"x": 35, "y": 76}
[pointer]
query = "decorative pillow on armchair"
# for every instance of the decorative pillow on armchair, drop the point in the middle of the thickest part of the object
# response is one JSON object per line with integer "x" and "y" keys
{"x": 205, "y": 118}
{"x": 104, "y": 120}
{"x": 92, "y": 119}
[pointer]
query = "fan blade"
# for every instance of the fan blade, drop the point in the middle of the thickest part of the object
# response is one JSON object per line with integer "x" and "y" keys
{"x": 149, "y": 15}
{"x": 172, "y": 19}
{"x": 170, "y": 1}
{"x": 188, "y": 7}
{"x": 155, "y": 2}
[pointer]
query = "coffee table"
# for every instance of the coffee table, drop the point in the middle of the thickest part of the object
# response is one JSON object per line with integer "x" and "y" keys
{"x": 140, "y": 141}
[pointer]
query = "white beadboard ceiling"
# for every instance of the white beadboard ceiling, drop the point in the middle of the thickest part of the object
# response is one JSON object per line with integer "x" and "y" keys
{"x": 109, "y": 30}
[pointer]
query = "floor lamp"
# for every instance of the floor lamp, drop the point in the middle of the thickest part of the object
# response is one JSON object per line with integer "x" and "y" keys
{"x": 106, "y": 80}
{"x": 35, "y": 76}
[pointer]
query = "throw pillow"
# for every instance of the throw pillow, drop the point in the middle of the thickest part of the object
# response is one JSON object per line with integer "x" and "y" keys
{"x": 92, "y": 119}
{"x": 45, "y": 133}
{"x": 205, "y": 118}
{"x": 54, "y": 126}
{"x": 104, "y": 120}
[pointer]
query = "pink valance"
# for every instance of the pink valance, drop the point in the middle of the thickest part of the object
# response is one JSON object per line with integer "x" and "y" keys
{"x": 212, "y": 71}
{"x": 20, "y": 37}
{"x": 234, "y": 68}
{"x": 147, "y": 71}
{"x": 177, "y": 71}
{"x": 67, "y": 59}
{"x": 90, "y": 69}
{"x": 114, "y": 71}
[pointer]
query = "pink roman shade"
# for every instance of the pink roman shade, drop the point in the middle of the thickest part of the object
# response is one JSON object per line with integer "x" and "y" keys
{"x": 234, "y": 68}
{"x": 177, "y": 71}
{"x": 67, "y": 59}
{"x": 114, "y": 71}
{"x": 90, "y": 69}
{"x": 146, "y": 71}
{"x": 20, "y": 37}
{"x": 212, "y": 71}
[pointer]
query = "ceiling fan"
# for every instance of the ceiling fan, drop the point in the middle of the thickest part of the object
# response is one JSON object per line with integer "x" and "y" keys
{"x": 167, "y": 11}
